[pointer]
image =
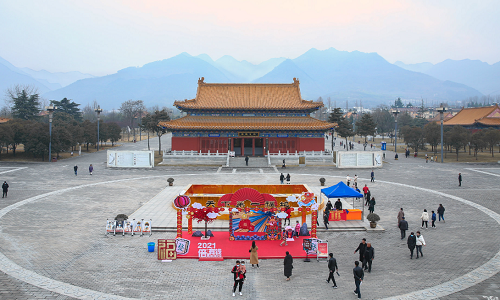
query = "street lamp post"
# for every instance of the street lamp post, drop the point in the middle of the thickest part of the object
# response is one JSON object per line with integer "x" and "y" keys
{"x": 50, "y": 109}
{"x": 354, "y": 114}
{"x": 441, "y": 111}
{"x": 395, "y": 112}
{"x": 98, "y": 110}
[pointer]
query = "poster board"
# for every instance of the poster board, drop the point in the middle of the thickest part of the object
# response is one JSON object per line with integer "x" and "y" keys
{"x": 322, "y": 250}
{"x": 359, "y": 159}
{"x": 130, "y": 159}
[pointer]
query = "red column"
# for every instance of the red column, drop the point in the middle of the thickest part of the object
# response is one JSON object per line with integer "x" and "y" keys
{"x": 232, "y": 144}
{"x": 243, "y": 147}
{"x": 253, "y": 147}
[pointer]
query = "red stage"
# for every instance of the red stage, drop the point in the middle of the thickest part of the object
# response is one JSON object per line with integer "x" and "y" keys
{"x": 239, "y": 249}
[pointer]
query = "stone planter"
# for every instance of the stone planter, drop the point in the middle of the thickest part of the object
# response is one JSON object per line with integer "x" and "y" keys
{"x": 373, "y": 224}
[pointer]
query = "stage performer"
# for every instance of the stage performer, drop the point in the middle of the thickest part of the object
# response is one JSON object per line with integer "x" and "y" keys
{"x": 237, "y": 280}
{"x": 288, "y": 215}
{"x": 254, "y": 256}
{"x": 297, "y": 229}
{"x": 288, "y": 264}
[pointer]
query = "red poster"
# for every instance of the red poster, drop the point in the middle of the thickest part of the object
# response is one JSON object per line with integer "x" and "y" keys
{"x": 322, "y": 249}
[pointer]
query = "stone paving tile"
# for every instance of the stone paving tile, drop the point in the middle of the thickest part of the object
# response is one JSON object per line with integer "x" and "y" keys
{"x": 62, "y": 237}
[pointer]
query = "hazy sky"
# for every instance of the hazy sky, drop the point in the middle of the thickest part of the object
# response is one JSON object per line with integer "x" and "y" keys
{"x": 103, "y": 36}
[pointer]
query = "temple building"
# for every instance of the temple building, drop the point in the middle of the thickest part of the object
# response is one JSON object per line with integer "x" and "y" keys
{"x": 476, "y": 118}
{"x": 249, "y": 119}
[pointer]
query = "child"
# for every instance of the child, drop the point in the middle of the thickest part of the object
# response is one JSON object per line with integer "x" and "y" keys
{"x": 283, "y": 237}
{"x": 433, "y": 218}
{"x": 297, "y": 228}
{"x": 243, "y": 270}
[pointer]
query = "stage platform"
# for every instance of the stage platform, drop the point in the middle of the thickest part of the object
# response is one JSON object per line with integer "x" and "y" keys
{"x": 239, "y": 249}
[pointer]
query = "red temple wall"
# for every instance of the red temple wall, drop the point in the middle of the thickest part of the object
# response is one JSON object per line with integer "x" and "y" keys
{"x": 185, "y": 143}
{"x": 311, "y": 144}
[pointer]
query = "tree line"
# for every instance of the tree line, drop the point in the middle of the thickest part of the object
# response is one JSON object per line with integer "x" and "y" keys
{"x": 71, "y": 127}
{"x": 418, "y": 133}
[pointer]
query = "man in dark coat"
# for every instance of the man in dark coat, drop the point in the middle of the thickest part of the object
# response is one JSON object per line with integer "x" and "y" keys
{"x": 371, "y": 205}
{"x": 288, "y": 264}
{"x": 440, "y": 211}
{"x": 246, "y": 160}
{"x": 329, "y": 206}
{"x": 282, "y": 178}
{"x": 372, "y": 175}
{"x": 403, "y": 226}
{"x": 358, "y": 278}
{"x": 368, "y": 258}
{"x": 412, "y": 242}
{"x": 75, "y": 168}
{"x": 368, "y": 195}
{"x": 325, "y": 219}
{"x": 361, "y": 248}
{"x": 459, "y": 179}
{"x": 332, "y": 267}
{"x": 338, "y": 204}
{"x": 5, "y": 189}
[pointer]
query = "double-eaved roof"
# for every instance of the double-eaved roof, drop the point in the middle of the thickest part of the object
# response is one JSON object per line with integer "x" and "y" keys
{"x": 248, "y": 96}
{"x": 487, "y": 116}
{"x": 246, "y": 123}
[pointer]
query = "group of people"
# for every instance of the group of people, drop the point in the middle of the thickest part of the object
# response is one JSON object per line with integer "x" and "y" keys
{"x": 283, "y": 178}
{"x": 91, "y": 169}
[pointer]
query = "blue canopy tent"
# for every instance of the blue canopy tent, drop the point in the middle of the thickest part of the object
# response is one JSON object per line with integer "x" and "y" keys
{"x": 341, "y": 190}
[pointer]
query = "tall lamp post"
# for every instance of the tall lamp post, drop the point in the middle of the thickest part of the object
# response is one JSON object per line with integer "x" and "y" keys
{"x": 354, "y": 115}
{"x": 441, "y": 111}
{"x": 50, "y": 109}
{"x": 98, "y": 110}
{"x": 395, "y": 112}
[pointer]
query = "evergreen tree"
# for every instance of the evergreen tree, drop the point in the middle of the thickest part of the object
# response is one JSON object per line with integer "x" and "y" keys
{"x": 69, "y": 107}
{"x": 25, "y": 103}
{"x": 366, "y": 126}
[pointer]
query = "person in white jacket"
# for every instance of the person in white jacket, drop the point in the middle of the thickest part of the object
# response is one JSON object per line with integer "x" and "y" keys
{"x": 420, "y": 243}
{"x": 425, "y": 218}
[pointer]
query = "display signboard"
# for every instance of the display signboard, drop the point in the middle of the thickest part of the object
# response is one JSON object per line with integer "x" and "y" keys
{"x": 358, "y": 159}
{"x": 130, "y": 159}
{"x": 167, "y": 249}
{"x": 322, "y": 250}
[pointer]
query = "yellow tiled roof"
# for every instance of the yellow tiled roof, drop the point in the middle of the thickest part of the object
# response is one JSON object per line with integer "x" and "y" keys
{"x": 246, "y": 123}
{"x": 470, "y": 116}
{"x": 248, "y": 96}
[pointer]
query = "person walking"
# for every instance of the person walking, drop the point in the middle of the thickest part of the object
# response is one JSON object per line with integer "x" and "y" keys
{"x": 325, "y": 219}
{"x": 355, "y": 181}
{"x": 365, "y": 190}
{"x": 420, "y": 243}
{"x": 433, "y": 218}
{"x": 246, "y": 160}
{"x": 75, "y": 168}
{"x": 348, "y": 180}
{"x": 368, "y": 195}
{"x": 338, "y": 204}
{"x": 282, "y": 178}
{"x": 5, "y": 189}
{"x": 359, "y": 274}
{"x": 288, "y": 178}
{"x": 372, "y": 176}
{"x": 411, "y": 242}
{"x": 371, "y": 205}
{"x": 368, "y": 257}
{"x": 440, "y": 211}
{"x": 284, "y": 164}
{"x": 425, "y": 218}
{"x": 288, "y": 265}
{"x": 403, "y": 226}
{"x": 91, "y": 169}
{"x": 459, "y": 179}
{"x": 332, "y": 267}
{"x": 401, "y": 214}
{"x": 237, "y": 278}
{"x": 361, "y": 248}
{"x": 254, "y": 256}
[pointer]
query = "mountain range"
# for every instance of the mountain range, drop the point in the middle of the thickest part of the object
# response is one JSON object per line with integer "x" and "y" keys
{"x": 44, "y": 81}
{"x": 341, "y": 75}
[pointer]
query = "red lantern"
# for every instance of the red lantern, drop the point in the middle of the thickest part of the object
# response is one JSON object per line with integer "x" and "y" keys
{"x": 181, "y": 202}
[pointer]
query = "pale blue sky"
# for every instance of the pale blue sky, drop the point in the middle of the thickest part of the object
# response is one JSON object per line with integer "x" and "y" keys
{"x": 101, "y": 37}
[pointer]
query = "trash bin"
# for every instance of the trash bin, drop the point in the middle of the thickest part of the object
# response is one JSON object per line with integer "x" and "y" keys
{"x": 151, "y": 247}
{"x": 384, "y": 146}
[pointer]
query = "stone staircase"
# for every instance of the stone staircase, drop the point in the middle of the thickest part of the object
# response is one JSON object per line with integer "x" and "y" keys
{"x": 253, "y": 162}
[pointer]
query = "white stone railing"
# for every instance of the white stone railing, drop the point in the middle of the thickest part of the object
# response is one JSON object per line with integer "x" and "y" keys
{"x": 184, "y": 153}
{"x": 302, "y": 153}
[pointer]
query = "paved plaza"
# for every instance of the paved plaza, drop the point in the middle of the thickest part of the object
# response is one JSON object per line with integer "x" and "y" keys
{"x": 53, "y": 246}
